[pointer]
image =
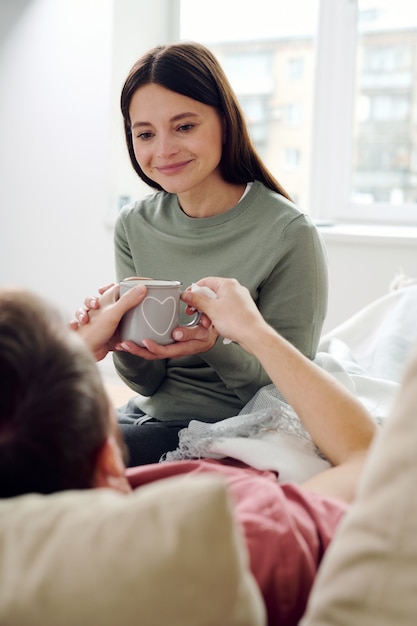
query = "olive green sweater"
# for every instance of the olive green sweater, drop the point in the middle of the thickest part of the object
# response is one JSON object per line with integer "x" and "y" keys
{"x": 264, "y": 242}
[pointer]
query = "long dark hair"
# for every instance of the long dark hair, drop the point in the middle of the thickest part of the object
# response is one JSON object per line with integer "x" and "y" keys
{"x": 192, "y": 70}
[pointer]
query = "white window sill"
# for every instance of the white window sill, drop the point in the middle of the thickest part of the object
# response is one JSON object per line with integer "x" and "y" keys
{"x": 368, "y": 233}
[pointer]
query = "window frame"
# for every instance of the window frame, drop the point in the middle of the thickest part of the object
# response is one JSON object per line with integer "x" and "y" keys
{"x": 337, "y": 36}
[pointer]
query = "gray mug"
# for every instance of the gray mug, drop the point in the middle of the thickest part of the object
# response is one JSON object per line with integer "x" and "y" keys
{"x": 157, "y": 315}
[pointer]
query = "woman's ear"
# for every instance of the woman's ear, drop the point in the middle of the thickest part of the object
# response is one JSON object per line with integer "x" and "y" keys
{"x": 110, "y": 468}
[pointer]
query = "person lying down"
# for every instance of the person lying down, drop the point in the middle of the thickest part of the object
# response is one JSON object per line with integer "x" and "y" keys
{"x": 58, "y": 430}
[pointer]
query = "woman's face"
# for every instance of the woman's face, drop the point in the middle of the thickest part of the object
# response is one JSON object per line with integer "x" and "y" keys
{"x": 177, "y": 140}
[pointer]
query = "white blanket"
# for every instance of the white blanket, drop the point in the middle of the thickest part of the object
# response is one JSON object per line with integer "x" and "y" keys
{"x": 367, "y": 354}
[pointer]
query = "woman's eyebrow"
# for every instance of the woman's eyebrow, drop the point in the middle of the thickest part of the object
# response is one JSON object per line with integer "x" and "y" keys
{"x": 181, "y": 116}
{"x": 174, "y": 118}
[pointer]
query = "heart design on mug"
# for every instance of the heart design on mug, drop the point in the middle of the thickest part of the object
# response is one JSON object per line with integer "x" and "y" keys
{"x": 160, "y": 315}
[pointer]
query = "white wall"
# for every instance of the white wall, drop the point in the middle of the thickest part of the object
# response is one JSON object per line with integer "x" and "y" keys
{"x": 62, "y": 63}
{"x": 363, "y": 262}
{"x": 54, "y": 148}
{"x": 63, "y": 162}
{"x": 138, "y": 25}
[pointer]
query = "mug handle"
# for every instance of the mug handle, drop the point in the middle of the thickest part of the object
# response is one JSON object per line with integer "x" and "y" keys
{"x": 193, "y": 322}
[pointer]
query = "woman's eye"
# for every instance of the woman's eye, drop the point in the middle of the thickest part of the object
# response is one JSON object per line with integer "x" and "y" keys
{"x": 185, "y": 127}
{"x": 144, "y": 136}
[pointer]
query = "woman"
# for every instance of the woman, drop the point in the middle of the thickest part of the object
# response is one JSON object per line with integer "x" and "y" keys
{"x": 216, "y": 209}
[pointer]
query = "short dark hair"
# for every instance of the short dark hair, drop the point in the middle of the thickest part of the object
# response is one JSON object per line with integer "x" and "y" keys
{"x": 192, "y": 70}
{"x": 54, "y": 411}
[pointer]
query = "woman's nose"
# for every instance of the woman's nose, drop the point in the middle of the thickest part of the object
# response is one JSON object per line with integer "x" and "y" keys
{"x": 166, "y": 146}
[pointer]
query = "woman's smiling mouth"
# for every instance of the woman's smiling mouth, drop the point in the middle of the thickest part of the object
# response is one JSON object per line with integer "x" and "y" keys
{"x": 172, "y": 168}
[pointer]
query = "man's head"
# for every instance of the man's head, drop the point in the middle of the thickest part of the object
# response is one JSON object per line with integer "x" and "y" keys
{"x": 56, "y": 429}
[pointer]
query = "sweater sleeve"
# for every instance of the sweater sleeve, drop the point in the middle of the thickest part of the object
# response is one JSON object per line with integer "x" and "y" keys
{"x": 141, "y": 375}
{"x": 125, "y": 266}
{"x": 239, "y": 370}
{"x": 293, "y": 298}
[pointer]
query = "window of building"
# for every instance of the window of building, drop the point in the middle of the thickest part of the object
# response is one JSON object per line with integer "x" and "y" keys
{"x": 295, "y": 68}
{"x": 384, "y": 129}
{"x": 293, "y": 114}
{"x": 386, "y": 58}
{"x": 291, "y": 158}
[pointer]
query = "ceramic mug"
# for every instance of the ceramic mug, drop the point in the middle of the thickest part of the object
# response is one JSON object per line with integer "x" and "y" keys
{"x": 157, "y": 315}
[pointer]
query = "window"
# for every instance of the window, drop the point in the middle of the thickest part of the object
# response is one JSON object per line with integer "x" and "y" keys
{"x": 329, "y": 89}
{"x": 293, "y": 114}
{"x": 365, "y": 123}
{"x": 291, "y": 158}
{"x": 250, "y": 73}
{"x": 386, "y": 58}
{"x": 384, "y": 129}
{"x": 295, "y": 68}
{"x": 388, "y": 108}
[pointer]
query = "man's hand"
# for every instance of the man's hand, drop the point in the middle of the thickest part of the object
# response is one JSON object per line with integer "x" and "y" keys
{"x": 232, "y": 312}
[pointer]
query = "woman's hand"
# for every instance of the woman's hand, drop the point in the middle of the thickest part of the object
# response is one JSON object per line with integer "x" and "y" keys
{"x": 188, "y": 341}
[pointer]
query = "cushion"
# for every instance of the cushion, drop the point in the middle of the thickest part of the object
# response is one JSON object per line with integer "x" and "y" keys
{"x": 369, "y": 574}
{"x": 169, "y": 554}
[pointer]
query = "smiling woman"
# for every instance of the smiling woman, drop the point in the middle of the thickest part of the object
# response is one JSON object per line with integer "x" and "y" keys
{"x": 177, "y": 142}
{"x": 216, "y": 209}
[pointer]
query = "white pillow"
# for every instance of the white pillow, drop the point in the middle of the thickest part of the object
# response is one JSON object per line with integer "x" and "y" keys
{"x": 167, "y": 555}
{"x": 369, "y": 575}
